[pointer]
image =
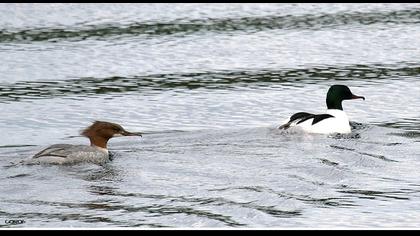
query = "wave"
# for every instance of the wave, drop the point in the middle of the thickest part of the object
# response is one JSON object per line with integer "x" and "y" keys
{"x": 223, "y": 80}
{"x": 186, "y": 27}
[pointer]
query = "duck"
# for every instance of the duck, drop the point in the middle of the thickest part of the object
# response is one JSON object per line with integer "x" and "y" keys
{"x": 334, "y": 120}
{"x": 99, "y": 133}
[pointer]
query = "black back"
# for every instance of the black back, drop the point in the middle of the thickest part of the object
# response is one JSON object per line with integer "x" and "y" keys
{"x": 317, "y": 118}
{"x": 299, "y": 115}
{"x": 304, "y": 116}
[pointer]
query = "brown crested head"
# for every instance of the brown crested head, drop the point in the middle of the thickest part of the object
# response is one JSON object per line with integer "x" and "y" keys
{"x": 101, "y": 131}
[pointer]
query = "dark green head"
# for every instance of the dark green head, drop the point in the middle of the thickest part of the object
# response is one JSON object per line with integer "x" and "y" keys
{"x": 337, "y": 93}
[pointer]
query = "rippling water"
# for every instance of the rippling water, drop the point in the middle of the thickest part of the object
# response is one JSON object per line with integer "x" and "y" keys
{"x": 208, "y": 84}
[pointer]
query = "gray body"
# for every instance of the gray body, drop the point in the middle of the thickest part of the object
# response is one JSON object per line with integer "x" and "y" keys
{"x": 70, "y": 154}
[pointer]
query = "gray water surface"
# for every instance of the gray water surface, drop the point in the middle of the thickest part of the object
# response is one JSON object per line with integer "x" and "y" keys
{"x": 208, "y": 84}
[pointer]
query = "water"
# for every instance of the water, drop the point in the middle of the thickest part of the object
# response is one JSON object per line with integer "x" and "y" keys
{"x": 208, "y": 84}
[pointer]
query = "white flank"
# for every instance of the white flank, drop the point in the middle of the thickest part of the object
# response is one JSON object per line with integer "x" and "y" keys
{"x": 337, "y": 124}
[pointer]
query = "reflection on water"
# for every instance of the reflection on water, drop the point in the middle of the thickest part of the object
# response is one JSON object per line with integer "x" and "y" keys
{"x": 207, "y": 84}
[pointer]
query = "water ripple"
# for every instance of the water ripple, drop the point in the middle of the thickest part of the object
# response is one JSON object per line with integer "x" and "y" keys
{"x": 228, "y": 80}
{"x": 381, "y": 157}
{"x": 184, "y": 27}
{"x": 411, "y": 127}
{"x": 202, "y": 201}
{"x": 370, "y": 194}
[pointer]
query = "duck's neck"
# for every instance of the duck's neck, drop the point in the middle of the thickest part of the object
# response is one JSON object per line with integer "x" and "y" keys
{"x": 98, "y": 141}
{"x": 334, "y": 104}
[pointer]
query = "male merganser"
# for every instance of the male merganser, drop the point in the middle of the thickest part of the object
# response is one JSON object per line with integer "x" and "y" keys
{"x": 334, "y": 120}
{"x": 99, "y": 133}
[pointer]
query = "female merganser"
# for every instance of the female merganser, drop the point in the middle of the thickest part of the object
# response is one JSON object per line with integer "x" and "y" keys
{"x": 334, "y": 120}
{"x": 99, "y": 133}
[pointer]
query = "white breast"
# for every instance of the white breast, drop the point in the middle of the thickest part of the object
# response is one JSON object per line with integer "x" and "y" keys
{"x": 337, "y": 124}
{"x": 104, "y": 150}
